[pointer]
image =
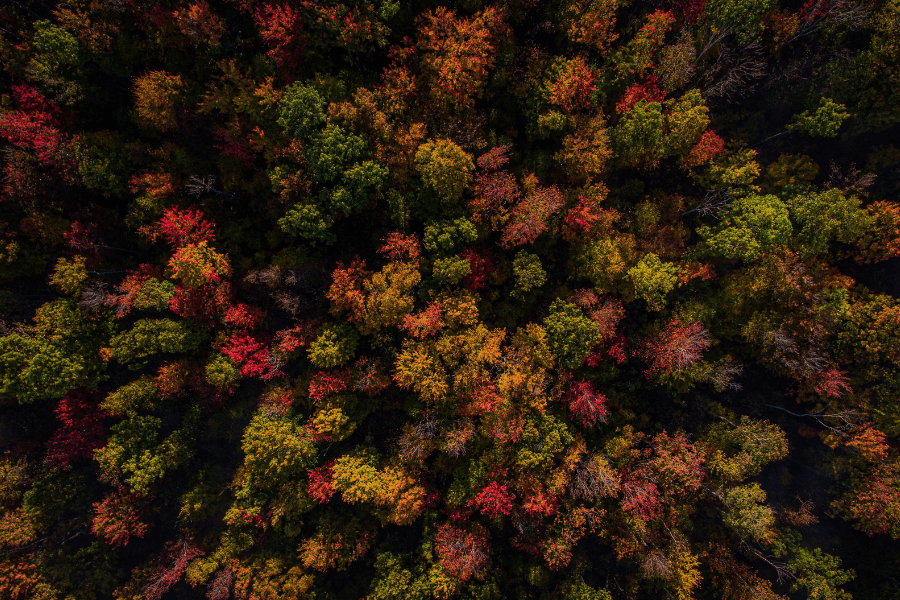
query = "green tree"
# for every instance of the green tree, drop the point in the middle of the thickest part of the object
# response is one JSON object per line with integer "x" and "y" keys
{"x": 570, "y": 334}
{"x": 307, "y": 221}
{"x": 754, "y": 225}
{"x": 301, "y": 111}
{"x": 825, "y": 216}
{"x": 153, "y": 336}
{"x": 445, "y": 168}
{"x": 528, "y": 273}
{"x": 447, "y": 237}
{"x": 60, "y": 353}
{"x": 451, "y": 270}
{"x": 822, "y": 122}
{"x": 70, "y": 276}
{"x": 653, "y": 280}
{"x": 275, "y": 451}
{"x": 334, "y": 346}
{"x": 638, "y": 138}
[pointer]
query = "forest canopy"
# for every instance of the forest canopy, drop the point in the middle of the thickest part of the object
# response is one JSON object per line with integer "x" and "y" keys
{"x": 516, "y": 299}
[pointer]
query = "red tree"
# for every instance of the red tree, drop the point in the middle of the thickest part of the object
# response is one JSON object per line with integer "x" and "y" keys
{"x": 172, "y": 565}
{"x": 586, "y": 403}
{"x": 81, "y": 430}
{"x": 481, "y": 267}
{"x": 320, "y": 486}
{"x": 324, "y": 384}
{"x": 117, "y": 518}
{"x": 182, "y": 227}
{"x": 648, "y": 90}
{"x": 530, "y": 216}
{"x": 493, "y": 500}
{"x": 461, "y": 553}
{"x": 676, "y": 347}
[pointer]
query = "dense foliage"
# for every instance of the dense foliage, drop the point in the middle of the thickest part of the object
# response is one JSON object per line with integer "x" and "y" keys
{"x": 568, "y": 299}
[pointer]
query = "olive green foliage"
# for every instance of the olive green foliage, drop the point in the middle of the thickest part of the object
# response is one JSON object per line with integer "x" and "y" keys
{"x": 446, "y": 237}
{"x": 754, "y": 225}
{"x": 451, "y": 270}
{"x": 824, "y": 121}
{"x": 445, "y": 168}
{"x": 307, "y": 221}
{"x": 653, "y": 279}
{"x": 222, "y": 372}
{"x": 827, "y": 216}
{"x": 570, "y": 334}
{"x": 61, "y": 353}
{"x": 528, "y": 272}
{"x": 70, "y": 276}
{"x": 335, "y": 345}
{"x": 302, "y": 111}
{"x": 153, "y": 336}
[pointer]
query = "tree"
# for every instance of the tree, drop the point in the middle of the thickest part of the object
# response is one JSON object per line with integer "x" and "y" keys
{"x": 528, "y": 273}
{"x": 826, "y": 216}
{"x": 335, "y": 345}
{"x": 60, "y": 354}
{"x": 275, "y": 451}
{"x": 824, "y": 122}
{"x": 80, "y": 433}
{"x": 456, "y": 54}
{"x": 570, "y": 334}
{"x": 153, "y": 336}
{"x": 754, "y": 225}
{"x": 302, "y": 111}
{"x": 445, "y": 168}
{"x": 197, "y": 265}
{"x": 638, "y": 138}
{"x": 157, "y": 96}
{"x": 117, "y": 518}
{"x": 528, "y": 219}
{"x": 676, "y": 347}
{"x": 653, "y": 280}
{"x": 447, "y": 237}
{"x": 462, "y": 553}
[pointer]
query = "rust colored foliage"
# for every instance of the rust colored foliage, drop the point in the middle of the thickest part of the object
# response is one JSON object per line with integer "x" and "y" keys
{"x": 707, "y": 148}
{"x": 875, "y": 502}
{"x": 157, "y": 95}
{"x": 481, "y": 267}
{"x": 157, "y": 185}
{"x": 676, "y": 465}
{"x": 117, "y": 518}
{"x": 81, "y": 430}
{"x": 399, "y": 246}
{"x": 425, "y": 323}
{"x": 457, "y": 52}
{"x": 676, "y": 347}
{"x": 496, "y": 190}
{"x": 320, "y": 487}
{"x": 529, "y": 219}
{"x": 572, "y": 88}
{"x": 463, "y": 554}
{"x": 172, "y": 565}
{"x": 640, "y": 497}
{"x": 882, "y": 241}
{"x": 586, "y": 219}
